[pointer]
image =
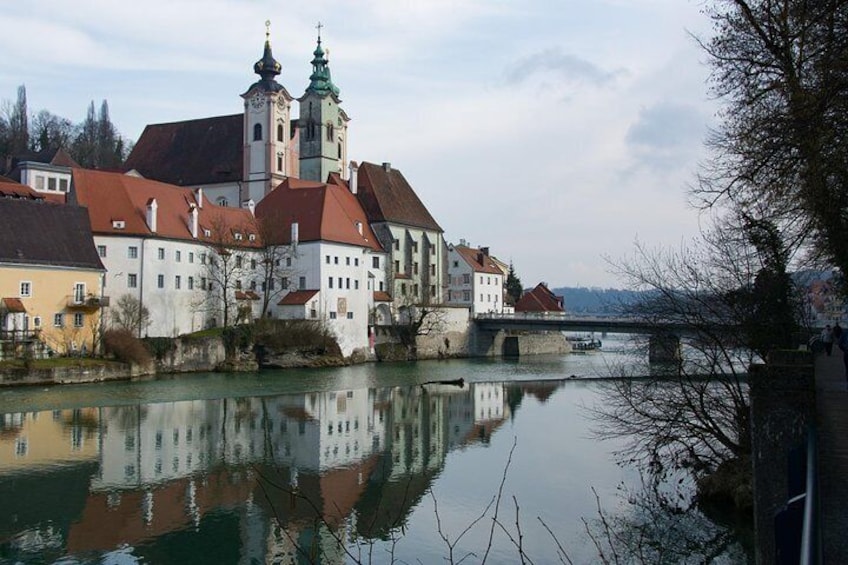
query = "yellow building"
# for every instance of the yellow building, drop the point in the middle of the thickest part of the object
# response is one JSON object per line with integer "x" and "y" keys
{"x": 50, "y": 275}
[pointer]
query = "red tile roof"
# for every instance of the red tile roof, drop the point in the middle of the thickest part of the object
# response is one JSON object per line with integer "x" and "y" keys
{"x": 193, "y": 152}
{"x": 386, "y": 196}
{"x": 323, "y": 212}
{"x": 540, "y": 299}
{"x": 11, "y": 189}
{"x": 381, "y": 296}
{"x": 246, "y": 295}
{"x": 13, "y": 305}
{"x": 114, "y": 197}
{"x": 297, "y": 298}
{"x": 479, "y": 261}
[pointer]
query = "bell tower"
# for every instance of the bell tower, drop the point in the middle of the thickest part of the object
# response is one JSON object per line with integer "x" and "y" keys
{"x": 267, "y": 129}
{"x": 323, "y": 124}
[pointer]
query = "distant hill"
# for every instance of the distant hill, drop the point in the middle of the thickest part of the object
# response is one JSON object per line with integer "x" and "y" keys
{"x": 608, "y": 301}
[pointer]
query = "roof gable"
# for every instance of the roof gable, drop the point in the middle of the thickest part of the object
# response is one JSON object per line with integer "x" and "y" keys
{"x": 193, "y": 152}
{"x": 386, "y": 196}
{"x": 540, "y": 299}
{"x": 478, "y": 259}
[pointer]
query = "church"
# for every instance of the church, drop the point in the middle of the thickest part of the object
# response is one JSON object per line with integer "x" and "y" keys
{"x": 240, "y": 158}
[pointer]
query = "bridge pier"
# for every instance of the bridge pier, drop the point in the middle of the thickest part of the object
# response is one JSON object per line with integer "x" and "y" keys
{"x": 664, "y": 348}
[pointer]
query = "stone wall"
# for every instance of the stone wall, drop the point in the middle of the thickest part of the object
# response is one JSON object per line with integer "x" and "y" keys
{"x": 71, "y": 375}
{"x": 192, "y": 355}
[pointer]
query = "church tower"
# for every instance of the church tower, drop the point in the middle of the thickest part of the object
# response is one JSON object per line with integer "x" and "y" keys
{"x": 322, "y": 123}
{"x": 267, "y": 129}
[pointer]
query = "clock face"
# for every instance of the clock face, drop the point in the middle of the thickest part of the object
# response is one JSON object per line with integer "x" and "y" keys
{"x": 281, "y": 103}
{"x": 257, "y": 102}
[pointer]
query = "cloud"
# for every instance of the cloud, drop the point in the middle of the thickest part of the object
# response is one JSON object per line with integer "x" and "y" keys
{"x": 665, "y": 134}
{"x": 552, "y": 63}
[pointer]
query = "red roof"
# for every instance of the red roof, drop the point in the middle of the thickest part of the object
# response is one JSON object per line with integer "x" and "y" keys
{"x": 386, "y": 196}
{"x": 323, "y": 212}
{"x": 246, "y": 295}
{"x": 13, "y": 305}
{"x": 479, "y": 260}
{"x": 116, "y": 197}
{"x": 540, "y": 299}
{"x": 381, "y": 296}
{"x": 297, "y": 298}
{"x": 11, "y": 189}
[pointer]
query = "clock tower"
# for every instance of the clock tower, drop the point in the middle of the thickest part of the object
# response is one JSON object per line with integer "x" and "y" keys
{"x": 267, "y": 129}
{"x": 322, "y": 123}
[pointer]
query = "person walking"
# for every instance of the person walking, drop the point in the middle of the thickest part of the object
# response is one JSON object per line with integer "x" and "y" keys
{"x": 840, "y": 336}
{"x": 826, "y": 338}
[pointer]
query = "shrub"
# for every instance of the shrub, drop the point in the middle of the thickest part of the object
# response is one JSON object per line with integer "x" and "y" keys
{"x": 237, "y": 338}
{"x": 281, "y": 335}
{"x": 159, "y": 347}
{"x": 125, "y": 347}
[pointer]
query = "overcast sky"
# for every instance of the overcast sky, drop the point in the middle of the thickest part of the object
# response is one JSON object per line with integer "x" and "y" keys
{"x": 556, "y": 132}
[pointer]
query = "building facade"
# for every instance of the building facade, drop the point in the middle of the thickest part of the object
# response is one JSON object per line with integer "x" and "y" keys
{"x": 476, "y": 281}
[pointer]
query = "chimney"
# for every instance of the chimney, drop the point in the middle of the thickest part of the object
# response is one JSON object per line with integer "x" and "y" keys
{"x": 249, "y": 205}
{"x": 354, "y": 177}
{"x": 462, "y": 242}
{"x": 295, "y": 234}
{"x": 485, "y": 251}
{"x": 359, "y": 227}
{"x": 387, "y": 167}
{"x": 152, "y": 206}
{"x": 198, "y": 196}
{"x": 193, "y": 220}
{"x": 480, "y": 257}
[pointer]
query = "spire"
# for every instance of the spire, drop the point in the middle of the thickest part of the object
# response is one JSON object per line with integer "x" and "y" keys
{"x": 320, "y": 81}
{"x": 267, "y": 67}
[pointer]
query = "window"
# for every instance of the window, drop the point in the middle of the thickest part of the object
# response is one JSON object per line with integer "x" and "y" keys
{"x": 466, "y": 278}
{"x": 284, "y": 283}
{"x": 356, "y": 261}
{"x": 466, "y": 295}
{"x": 58, "y": 320}
{"x": 279, "y": 132}
{"x": 327, "y": 259}
{"x": 26, "y": 289}
{"x": 356, "y": 284}
{"x": 257, "y": 132}
{"x": 329, "y": 132}
{"x": 160, "y": 253}
{"x": 403, "y": 289}
{"x": 238, "y": 261}
{"x": 191, "y": 283}
{"x": 330, "y": 282}
{"x": 375, "y": 262}
{"x": 101, "y": 250}
{"x": 350, "y": 315}
{"x": 381, "y": 286}
{"x": 39, "y": 182}
{"x": 347, "y": 261}
{"x": 397, "y": 244}
{"x": 252, "y": 285}
{"x": 433, "y": 270}
{"x": 340, "y": 150}
{"x": 302, "y": 283}
{"x": 79, "y": 293}
{"x": 340, "y": 282}
{"x": 51, "y": 183}
{"x": 415, "y": 247}
{"x": 397, "y": 266}
{"x": 253, "y": 264}
{"x": 279, "y": 161}
{"x": 191, "y": 257}
{"x": 36, "y": 322}
{"x": 288, "y": 261}
{"x": 415, "y": 268}
{"x": 178, "y": 256}
{"x": 415, "y": 290}
{"x": 455, "y": 264}
{"x": 132, "y": 280}
{"x": 336, "y": 260}
{"x": 347, "y": 283}
{"x": 132, "y": 252}
{"x": 432, "y": 290}
{"x": 63, "y": 185}
{"x": 177, "y": 282}
{"x": 160, "y": 281}
{"x": 332, "y": 315}
{"x": 238, "y": 284}
{"x": 203, "y": 258}
{"x": 221, "y": 201}
{"x": 79, "y": 319}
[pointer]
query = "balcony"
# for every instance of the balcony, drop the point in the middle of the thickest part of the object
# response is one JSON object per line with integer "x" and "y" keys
{"x": 89, "y": 303}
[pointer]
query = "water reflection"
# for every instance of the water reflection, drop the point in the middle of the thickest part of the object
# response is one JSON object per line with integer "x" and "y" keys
{"x": 234, "y": 479}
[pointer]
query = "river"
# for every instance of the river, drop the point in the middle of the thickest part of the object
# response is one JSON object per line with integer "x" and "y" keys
{"x": 280, "y": 467}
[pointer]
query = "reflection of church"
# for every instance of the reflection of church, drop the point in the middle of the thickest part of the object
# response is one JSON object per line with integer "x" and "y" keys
{"x": 357, "y": 460}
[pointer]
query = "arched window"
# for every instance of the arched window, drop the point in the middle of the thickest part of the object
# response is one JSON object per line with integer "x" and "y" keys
{"x": 310, "y": 130}
{"x": 257, "y": 132}
{"x": 340, "y": 150}
{"x": 279, "y": 132}
{"x": 329, "y": 131}
{"x": 221, "y": 201}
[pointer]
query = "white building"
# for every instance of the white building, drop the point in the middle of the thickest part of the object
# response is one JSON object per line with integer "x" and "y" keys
{"x": 476, "y": 281}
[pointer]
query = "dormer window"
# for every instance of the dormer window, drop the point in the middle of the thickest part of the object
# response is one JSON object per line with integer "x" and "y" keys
{"x": 257, "y": 132}
{"x": 207, "y": 233}
{"x": 238, "y": 236}
{"x": 118, "y": 224}
{"x": 251, "y": 237}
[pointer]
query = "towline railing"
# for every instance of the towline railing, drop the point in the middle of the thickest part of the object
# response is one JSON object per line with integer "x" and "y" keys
{"x": 796, "y": 532}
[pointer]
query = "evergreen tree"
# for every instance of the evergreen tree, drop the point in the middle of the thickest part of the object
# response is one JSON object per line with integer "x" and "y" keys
{"x": 18, "y": 124}
{"x": 513, "y": 285}
{"x": 84, "y": 147}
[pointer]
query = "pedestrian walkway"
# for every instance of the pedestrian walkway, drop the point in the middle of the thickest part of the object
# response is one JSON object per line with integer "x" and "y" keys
{"x": 832, "y": 426}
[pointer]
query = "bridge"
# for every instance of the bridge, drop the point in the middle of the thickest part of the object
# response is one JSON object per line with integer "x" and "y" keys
{"x": 664, "y": 337}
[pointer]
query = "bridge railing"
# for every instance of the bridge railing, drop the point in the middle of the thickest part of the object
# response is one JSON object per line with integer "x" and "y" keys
{"x": 521, "y": 316}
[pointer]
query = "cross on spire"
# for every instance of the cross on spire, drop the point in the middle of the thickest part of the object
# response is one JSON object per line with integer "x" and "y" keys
{"x": 267, "y": 29}
{"x": 318, "y": 27}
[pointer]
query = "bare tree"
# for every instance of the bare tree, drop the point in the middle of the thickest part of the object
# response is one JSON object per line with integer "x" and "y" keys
{"x": 50, "y": 131}
{"x": 276, "y": 260}
{"x": 782, "y": 148}
{"x": 225, "y": 269}
{"x": 130, "y": 314}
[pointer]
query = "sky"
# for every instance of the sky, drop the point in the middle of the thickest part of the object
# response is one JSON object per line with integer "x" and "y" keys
{"x": 555, "y": 132}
